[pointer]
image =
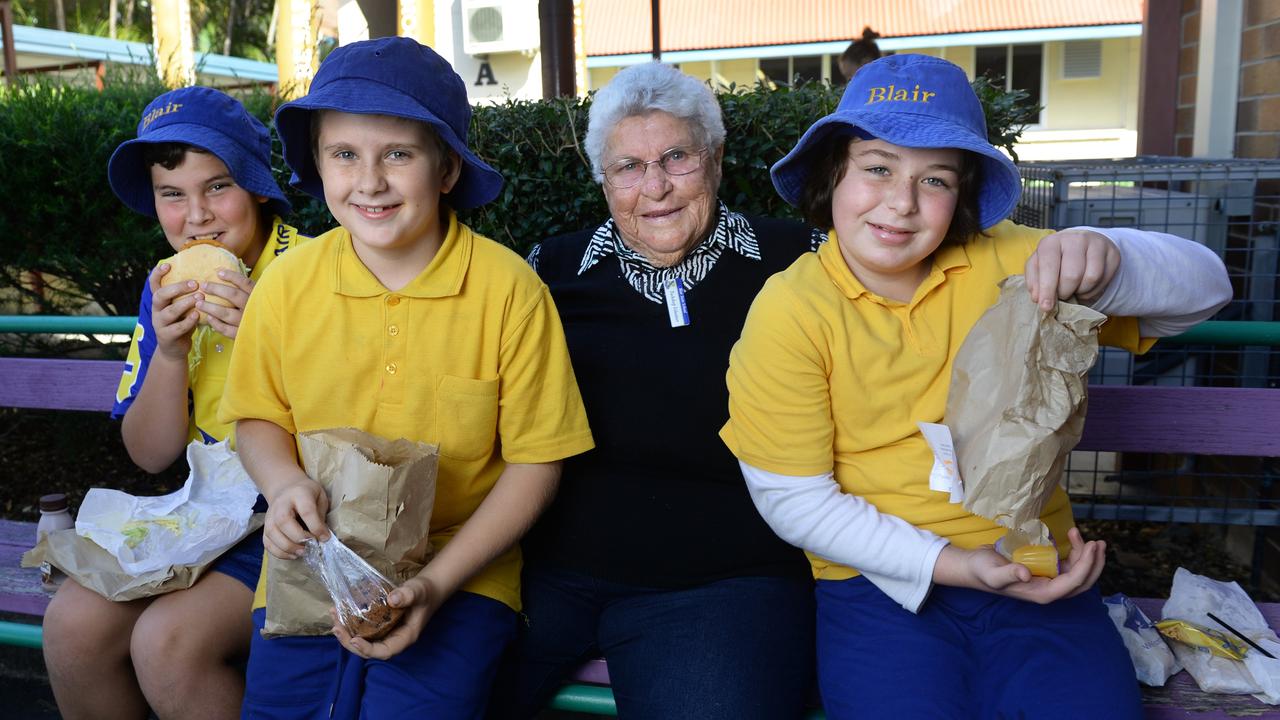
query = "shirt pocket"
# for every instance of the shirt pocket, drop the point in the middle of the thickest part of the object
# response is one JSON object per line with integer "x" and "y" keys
{"x": 466, "y": 416}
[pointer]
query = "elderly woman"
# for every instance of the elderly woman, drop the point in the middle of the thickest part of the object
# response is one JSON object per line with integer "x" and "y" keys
{"x": 652, "y": 554}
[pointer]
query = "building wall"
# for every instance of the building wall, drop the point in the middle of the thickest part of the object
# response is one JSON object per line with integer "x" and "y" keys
{"x": 1258, "y": 111}
{"x": 741, "y": 72}
{"x": 1107, "y": 101}
{"x": 1189, "y": 47}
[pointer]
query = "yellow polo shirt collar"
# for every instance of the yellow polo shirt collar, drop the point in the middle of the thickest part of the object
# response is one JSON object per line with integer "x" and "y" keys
{"x": 442, "y": 277}
{"x": 946, "y": 258}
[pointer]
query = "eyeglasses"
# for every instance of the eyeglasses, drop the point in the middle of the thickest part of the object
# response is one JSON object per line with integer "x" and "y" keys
{"x": 676, "y": 161}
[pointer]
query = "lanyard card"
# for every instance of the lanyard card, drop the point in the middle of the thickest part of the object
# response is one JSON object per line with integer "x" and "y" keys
{"x": 677, "y": 311}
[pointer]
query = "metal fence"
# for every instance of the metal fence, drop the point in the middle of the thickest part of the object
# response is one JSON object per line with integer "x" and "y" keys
{"x": 1230, "y": 206}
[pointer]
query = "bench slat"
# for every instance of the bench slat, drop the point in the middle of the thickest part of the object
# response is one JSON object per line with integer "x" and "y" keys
{"x": 59, "y": 384}
{"x": 20, "y": 590}
{"x": 1193, "y": 420}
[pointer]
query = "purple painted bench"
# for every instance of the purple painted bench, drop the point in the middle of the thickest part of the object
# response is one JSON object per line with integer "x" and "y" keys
{"x": 57, "y": 384}
{"x": 1219, "y": 421}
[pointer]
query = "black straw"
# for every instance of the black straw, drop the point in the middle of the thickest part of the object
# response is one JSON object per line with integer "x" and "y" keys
{"x": 1237, "y": 633}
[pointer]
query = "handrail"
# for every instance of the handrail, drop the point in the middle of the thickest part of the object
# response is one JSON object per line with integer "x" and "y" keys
{"x": 1213, "y": 332}
{"x": 82, "y": 324}
{"x": 20, "y": 634}
{"x": 1230, "y": 332}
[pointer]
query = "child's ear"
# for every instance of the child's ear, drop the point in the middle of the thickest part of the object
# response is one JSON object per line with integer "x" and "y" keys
{"x": 452, "y": 170}
{"x": 261, "y": 199}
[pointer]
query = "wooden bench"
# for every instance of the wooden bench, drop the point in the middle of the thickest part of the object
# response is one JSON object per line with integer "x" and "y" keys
{"x": 1183, "y": 420}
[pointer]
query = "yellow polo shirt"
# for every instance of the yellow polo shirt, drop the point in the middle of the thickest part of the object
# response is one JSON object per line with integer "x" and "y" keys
{"x": 828, "y": 376}
{"x": 210, "y": 375}
{"x": 469, "y": 355}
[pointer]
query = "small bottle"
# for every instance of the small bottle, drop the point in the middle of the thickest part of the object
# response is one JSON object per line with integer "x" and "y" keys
{"x": 54, "y": 515}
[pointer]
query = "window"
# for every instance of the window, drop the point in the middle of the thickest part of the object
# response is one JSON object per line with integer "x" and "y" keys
{"x": 783, "y": 70}
{"x": 837, "y": 77}
{"x": 1081, "y": 59}
{"x": 778, "y": 70}
{"x": 1019, "y": 66}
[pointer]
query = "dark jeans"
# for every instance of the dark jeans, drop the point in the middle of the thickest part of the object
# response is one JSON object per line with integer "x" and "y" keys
{"x": 736, "y": 649}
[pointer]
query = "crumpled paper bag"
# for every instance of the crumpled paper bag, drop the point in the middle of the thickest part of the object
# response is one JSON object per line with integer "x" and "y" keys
{"x": 95, "y": 569}
{"x": 125, "y": 547}
{"x": 381, "y": 494}
{"x": 1017, "y": 402}
{"x": 1191, "y": 598}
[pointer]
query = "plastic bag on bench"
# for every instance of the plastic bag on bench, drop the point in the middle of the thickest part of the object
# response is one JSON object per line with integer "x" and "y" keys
{"x": 1192, "y": 598}
{"x": 1152, "y": 659}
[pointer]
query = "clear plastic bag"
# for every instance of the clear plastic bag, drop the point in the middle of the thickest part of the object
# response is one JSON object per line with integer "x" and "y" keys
{"x": 358, "y": 590}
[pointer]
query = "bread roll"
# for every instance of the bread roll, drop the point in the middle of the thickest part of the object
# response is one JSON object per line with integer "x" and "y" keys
{"x": 200, "y": 260}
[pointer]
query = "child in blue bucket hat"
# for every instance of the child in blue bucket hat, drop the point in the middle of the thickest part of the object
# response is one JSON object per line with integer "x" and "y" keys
{"x": 845, "y": 351}
{"x": 200, "y": 165}
{"x": 404, "y": 323}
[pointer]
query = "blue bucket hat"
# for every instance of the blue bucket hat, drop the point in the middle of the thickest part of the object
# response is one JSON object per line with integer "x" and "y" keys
{"x": 210, "y": 120}
{"x": 393, "y": 76}
{"x": 913, "y": 101}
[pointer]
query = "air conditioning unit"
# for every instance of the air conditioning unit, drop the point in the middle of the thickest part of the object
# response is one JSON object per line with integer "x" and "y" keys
{"x": 499, "y": 26}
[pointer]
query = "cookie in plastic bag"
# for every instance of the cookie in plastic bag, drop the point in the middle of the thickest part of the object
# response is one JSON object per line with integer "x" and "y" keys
{"x": 358, "y": 590}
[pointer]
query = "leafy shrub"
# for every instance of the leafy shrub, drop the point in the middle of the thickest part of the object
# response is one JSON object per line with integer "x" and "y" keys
{"x": 62, "y": 220}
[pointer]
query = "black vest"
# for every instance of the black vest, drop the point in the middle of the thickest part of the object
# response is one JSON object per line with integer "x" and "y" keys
{"x": 660, "y": 501}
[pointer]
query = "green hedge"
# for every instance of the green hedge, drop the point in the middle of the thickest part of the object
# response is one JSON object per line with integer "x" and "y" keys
{"x": 62, "y": 220}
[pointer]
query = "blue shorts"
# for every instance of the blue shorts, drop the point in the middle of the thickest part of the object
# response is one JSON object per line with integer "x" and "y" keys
{"x": 243, "y": 561}
{"x": 970, "y": 654}
{"x": 445, "y": 675}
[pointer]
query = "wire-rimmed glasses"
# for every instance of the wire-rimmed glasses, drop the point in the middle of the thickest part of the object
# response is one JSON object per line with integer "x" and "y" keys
{"x": 676, "y": 161}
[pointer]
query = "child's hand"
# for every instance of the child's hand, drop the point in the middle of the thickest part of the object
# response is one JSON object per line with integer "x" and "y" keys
{"x": 235, "y": 289}
{"x": 421, "y": 596}
{"x": 1068, "y": 263}
{"x": 296, "y": 512}
{"x": 173, "y": 317}
{"x": 987, "y": 570}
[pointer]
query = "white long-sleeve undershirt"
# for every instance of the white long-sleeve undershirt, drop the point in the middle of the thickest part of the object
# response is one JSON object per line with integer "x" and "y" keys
{"x": 1168, "y": 283}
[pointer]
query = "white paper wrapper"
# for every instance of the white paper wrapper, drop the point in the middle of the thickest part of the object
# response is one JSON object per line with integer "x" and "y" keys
{"x": 189, "y": 527}
{"x": 1192, "y": 598}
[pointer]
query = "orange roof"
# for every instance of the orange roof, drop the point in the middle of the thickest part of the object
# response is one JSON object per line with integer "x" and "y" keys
{"x": 615, "y": 27}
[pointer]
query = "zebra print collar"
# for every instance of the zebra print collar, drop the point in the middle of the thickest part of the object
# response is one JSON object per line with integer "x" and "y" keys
{"x": 732, "y": 231}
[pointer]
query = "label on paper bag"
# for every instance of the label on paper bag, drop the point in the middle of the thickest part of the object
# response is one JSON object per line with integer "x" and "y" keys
{"x": 945, "y": 475}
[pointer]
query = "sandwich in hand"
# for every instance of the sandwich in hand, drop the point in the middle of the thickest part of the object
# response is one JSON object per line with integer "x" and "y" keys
{"x": 200, "y": 260}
